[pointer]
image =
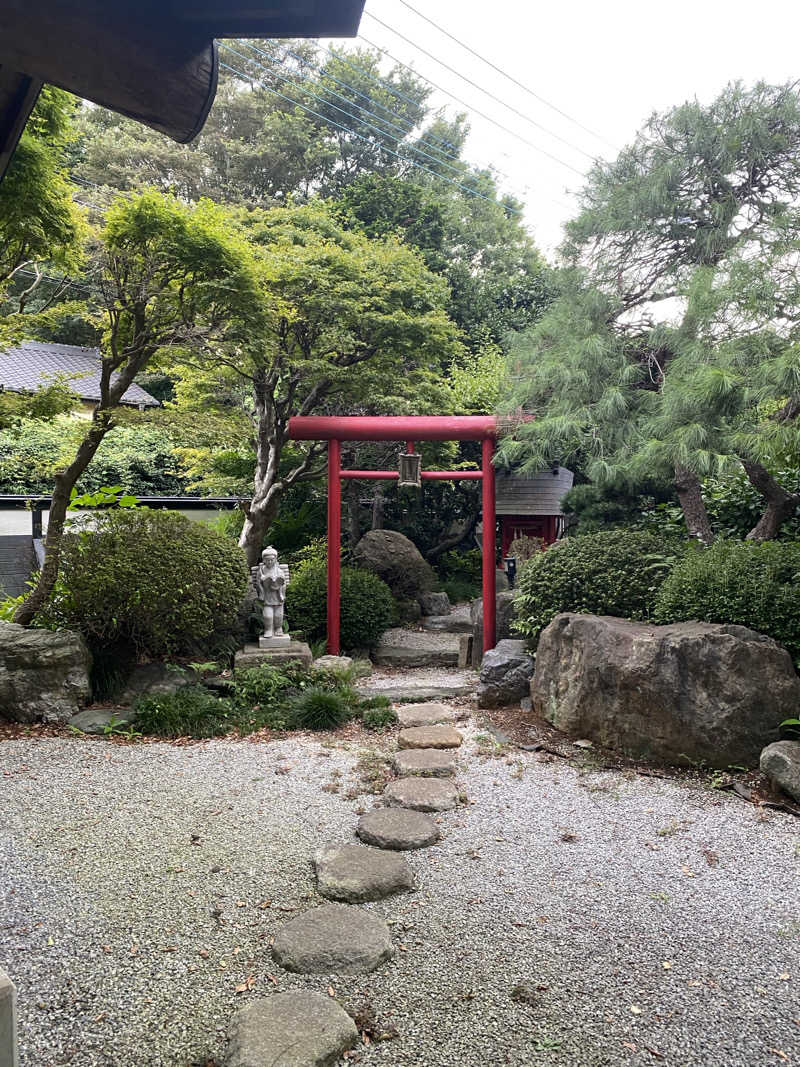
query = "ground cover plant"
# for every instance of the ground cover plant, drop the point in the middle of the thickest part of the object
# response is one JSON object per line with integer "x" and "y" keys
{"x": 614, "y": 573}
{"x": 287, "y": 697}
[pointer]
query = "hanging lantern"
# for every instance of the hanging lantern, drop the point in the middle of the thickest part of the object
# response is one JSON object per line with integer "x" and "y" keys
{"x": 410, "y": 469}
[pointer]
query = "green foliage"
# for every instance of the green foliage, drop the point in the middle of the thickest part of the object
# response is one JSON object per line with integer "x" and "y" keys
{"x": 151, "y": 578}
{"x": 376, "y": 716}
{"x": 749, "y": 584}
{"x": 266, "y": 685}
{"x": 461, "y": 564}
{"x": 674, "y": 340}
{"x": 192, "y": 711}
{"x": 615, "y": 573}
{"x": 320, "y": 709}
{"x": 38, "y": 220}
{"x": 791, "y": 727}
{"x": 367, "y": 606}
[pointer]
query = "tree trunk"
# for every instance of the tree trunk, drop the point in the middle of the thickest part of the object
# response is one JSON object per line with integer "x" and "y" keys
{"x": 780, "y": 504}
{"x": 257, "y": 521}
{"x": 352, "y": 518}
{"x": 377, "y": 508}
{"x": 454, "y": 537}
{"x": 694, "y": 509}
{"x": 63, "y": 485}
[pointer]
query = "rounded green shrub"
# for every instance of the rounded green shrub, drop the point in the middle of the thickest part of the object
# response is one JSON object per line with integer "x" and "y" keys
{"x": 367, "y": 606}
{"x": 617, "y": 572}
{"x": 151, "y": 579}
{"x": 743, "y": 582}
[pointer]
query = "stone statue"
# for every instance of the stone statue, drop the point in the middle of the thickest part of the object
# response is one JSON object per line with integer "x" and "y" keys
{"x": 270, "y": 579}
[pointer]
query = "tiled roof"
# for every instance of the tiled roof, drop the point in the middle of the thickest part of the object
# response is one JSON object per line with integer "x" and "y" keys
{"x": 35, "y": 363}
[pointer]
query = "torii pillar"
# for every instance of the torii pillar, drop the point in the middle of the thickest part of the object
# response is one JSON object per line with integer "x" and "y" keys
{"x": 335, "y": 429}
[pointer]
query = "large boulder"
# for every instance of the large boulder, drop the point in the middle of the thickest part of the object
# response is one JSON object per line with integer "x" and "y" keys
{"x": 397, "y": 561}
{"x": 506, "y": 674}
{"x": 44, "y": 675}
{"x": 780, "y": 761}
{"x": 689, "y": 691}
{"x": 504, "y": 616}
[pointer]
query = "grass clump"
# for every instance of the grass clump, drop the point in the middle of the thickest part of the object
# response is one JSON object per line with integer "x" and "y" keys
{"x": 321, "y": 709}
{"x": 377, "y": 713}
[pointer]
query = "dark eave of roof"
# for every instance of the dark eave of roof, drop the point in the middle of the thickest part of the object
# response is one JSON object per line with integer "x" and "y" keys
{"x": 152, "y": 60}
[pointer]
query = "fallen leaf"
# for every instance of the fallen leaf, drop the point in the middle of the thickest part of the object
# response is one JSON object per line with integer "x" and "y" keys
{"x": 204, "y": 953}
{"x": 133, "y": 950}
{"x": 687, "y": 872}
{"x": 272, "y": 979}
{"x": 628, "y": 1045}
{"x": 667, "y": 965}
{"x": 784, "y": 977}
{"x": 331, "y": 991}
{"x": 635, "y": 1009}
{"x": 246, "y": 985}
{"x": 778, "y": 1052}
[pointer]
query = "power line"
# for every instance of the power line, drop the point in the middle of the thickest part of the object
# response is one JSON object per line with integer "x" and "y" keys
{"x": 458, "y": 100}
{"x": 388, "y": 87}
{"x": 367, "y": 140}
{"x": 457, "y": 170}
{"x": 505, "y": 74}
{"x": 403, "y": 131}
{"x": 492, "y": 96}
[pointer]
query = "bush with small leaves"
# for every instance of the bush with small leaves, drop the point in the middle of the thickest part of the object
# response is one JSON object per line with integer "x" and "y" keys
{"x": 742, "y": 582}
{"x": 153, "y": 579}
{"x": 618, "y": 573}
{"x": 367, "y": 606}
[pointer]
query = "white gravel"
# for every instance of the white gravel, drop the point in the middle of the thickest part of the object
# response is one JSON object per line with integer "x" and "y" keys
{"x": 653, "y": 922}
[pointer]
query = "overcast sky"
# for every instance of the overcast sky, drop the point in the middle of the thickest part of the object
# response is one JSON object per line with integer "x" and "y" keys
{"x": 607, "y": 65}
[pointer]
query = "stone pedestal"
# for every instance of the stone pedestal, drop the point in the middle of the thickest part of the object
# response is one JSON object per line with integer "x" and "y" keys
{"x": 286, "y": 652}
{"x": 278, "y": 642}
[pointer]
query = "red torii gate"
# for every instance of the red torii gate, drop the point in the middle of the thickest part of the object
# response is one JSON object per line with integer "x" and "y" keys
{"x": 335, "y": 428}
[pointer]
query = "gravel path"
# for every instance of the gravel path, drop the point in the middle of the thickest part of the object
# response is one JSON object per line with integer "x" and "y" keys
{"x": 649, "y": 922}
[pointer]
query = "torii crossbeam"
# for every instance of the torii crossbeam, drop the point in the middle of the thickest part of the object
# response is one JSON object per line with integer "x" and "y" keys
{"x": 408, "y": 429}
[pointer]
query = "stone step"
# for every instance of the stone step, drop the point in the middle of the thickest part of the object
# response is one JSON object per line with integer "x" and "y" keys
{"x": 413, "y": 694}
{"x": 297, "y": 1029}
{"x": 425, "y": 737}
{"x": 421, "y": 794}
{"x": 447, "y": 624}
{"x": 414, "y": 648}
{"x": 397, "y": 828}
{"x": 427, "y": 714}
{"x": 333, "y": 939}
{"x": 429, "y": 762}
{"x": 355, "y": 874}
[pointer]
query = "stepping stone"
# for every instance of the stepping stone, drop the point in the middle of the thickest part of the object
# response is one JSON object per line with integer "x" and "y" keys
{"x": 425, "y": 714}
{"x": 397, "y": 828}
{"x": 355, "y": 873}
{"x": 429, "y": 737}
{"x": 410, "y": 648}
{"x": 333, "y": 939}
{"x": 413, "y": 694}
{"x": 430, "y": 762}
{"x": 447, "y": 624}
{"x": 297, "y": 1029}
{"x": 421, "y": 794}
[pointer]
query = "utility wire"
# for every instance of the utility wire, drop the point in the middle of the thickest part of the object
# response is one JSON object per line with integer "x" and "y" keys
{"x": 505, "y": 74}
{"x": 307, "y": 78}
{"x": 387, "y": 86}
{"x": 403, "y": 159}
{"x": 492, "y": 96}
{"x": 463, "y": 103}
{"x": 457, "y": 170}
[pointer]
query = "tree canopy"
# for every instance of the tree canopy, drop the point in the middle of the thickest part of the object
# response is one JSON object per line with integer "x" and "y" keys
{"x": 672, "y": 350}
